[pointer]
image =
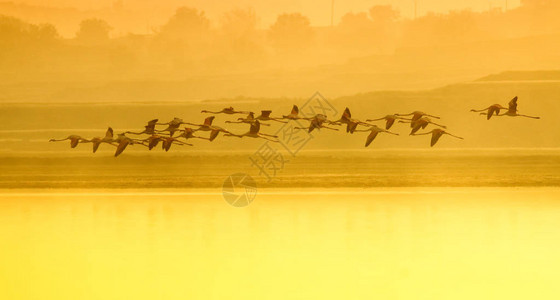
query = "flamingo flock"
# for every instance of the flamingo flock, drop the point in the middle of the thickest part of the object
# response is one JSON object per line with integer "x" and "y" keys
{"x": 152, "y": 136}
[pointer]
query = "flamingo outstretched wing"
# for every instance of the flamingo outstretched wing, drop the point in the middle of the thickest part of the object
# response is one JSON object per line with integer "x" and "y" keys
{"x": 371, "y": 137}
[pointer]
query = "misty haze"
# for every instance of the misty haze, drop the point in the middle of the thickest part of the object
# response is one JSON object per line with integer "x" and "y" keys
{"x": 293, "y": 149}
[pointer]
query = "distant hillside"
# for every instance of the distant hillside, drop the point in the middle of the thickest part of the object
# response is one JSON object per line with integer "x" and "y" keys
{"x": 523, "y": 76}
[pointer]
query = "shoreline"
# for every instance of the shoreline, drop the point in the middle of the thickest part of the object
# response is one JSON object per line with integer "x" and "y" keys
{"x": 268, "y": 191}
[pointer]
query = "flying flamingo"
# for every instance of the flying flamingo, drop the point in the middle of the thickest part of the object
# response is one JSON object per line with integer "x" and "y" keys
{"x": 153, "y": 140}
{"x": 74, "y": 140}
{"x": 254, "y": 133}
{"x": 294, "y": 114}
{"x": 374, "y": 132}
{"x": 173, "y": 126}
{"x": 317, "y": 122}
{"x": 123, "y": 141}
{"x": 351, "y": 124}
{"x": 107, "y": 139}
{"x": 250, "y": 119}
{"x": 168, "y": 141}
{"x": 188, "y": 133}
{"x": 149, "y": 129}
{"x": 346, "y": 115}
{"x": 420, "y": 123}
{"x": 207, "y": 126}
{"x": 390, "y": 120}
{"x": 490, "y": 110}
{"x": 436, "y": 134}
{"x": 416, "y": 115}
{"x": 265, "y": 116}
{"x": 227, "y": 110}
{"x": 512, "y": 110}
{"x": 174, "y": 121}
{"x": 216, "y": 131}
{"x": 204, "y": 126}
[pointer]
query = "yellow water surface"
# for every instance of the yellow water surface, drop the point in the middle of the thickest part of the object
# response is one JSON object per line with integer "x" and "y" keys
{"x": 395, "y": 243}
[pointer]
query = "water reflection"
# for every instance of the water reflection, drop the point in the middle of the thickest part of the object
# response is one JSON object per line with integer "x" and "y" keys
{"x": 396, "y": 243}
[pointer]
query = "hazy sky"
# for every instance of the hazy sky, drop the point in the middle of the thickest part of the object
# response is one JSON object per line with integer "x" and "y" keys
{"x": 318, "y": 11}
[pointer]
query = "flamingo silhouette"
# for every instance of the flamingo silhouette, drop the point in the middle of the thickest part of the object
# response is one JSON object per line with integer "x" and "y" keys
{"x": 317, "y": 122}
{"x": 98, "y": 140}
{"x": 173, "y": 126}
{"x": 153, "y": 140}
{"x": 420, "y": 123}
{"x": 227, "y": 110}
{"x": 390, "y": 120}
{"x": 250, "y": 119}
{"x": 512, "y": 110}
{"x": 123, "y": 142}
{"x": 188, "y": 133}
{"x": 416, "y": 115}
{"x": 375, "y": 130}
{"x": 436, "y": 134}
{"x": 148, "y": 129}
{"x": 74, "y": 140}
{"x": 254, "y": 132}
{"x": 490, "y": 110}
{"x": 168, "y": 141}
{"x": 351, "y": 124}
{"x": 265, "y": 116}
{"x": 294, "y": 114}
{"x": 207, "y": 126}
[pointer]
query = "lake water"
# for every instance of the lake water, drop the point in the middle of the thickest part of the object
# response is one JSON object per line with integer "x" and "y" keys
{"x": 308, "y": 169}
{"x": 351, "y": 243}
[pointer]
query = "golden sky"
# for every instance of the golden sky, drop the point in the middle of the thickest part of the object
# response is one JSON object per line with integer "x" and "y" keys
{"x": 317, "y": 10}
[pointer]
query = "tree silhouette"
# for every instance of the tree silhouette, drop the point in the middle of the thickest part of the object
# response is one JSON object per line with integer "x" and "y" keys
{"x": 354, "y": 33}
{"x": 13, "y": 30}
{"x": 354, "y": 22}
{"x": 239, "y": 23}
{"x": 383, "y": 14}
{"x": 291, "y": 31}
{"x": 239, "y": 36}
{"x": 93, "y": 31}
{"x": 186, "y": 23}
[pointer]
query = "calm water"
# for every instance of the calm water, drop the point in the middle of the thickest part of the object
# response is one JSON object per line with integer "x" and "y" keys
{"x": 318, "y": 169}
{"x": 396, "y": 243}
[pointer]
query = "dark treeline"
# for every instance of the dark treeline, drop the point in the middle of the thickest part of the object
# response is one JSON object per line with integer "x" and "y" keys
{"x": 190, "y": 44}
